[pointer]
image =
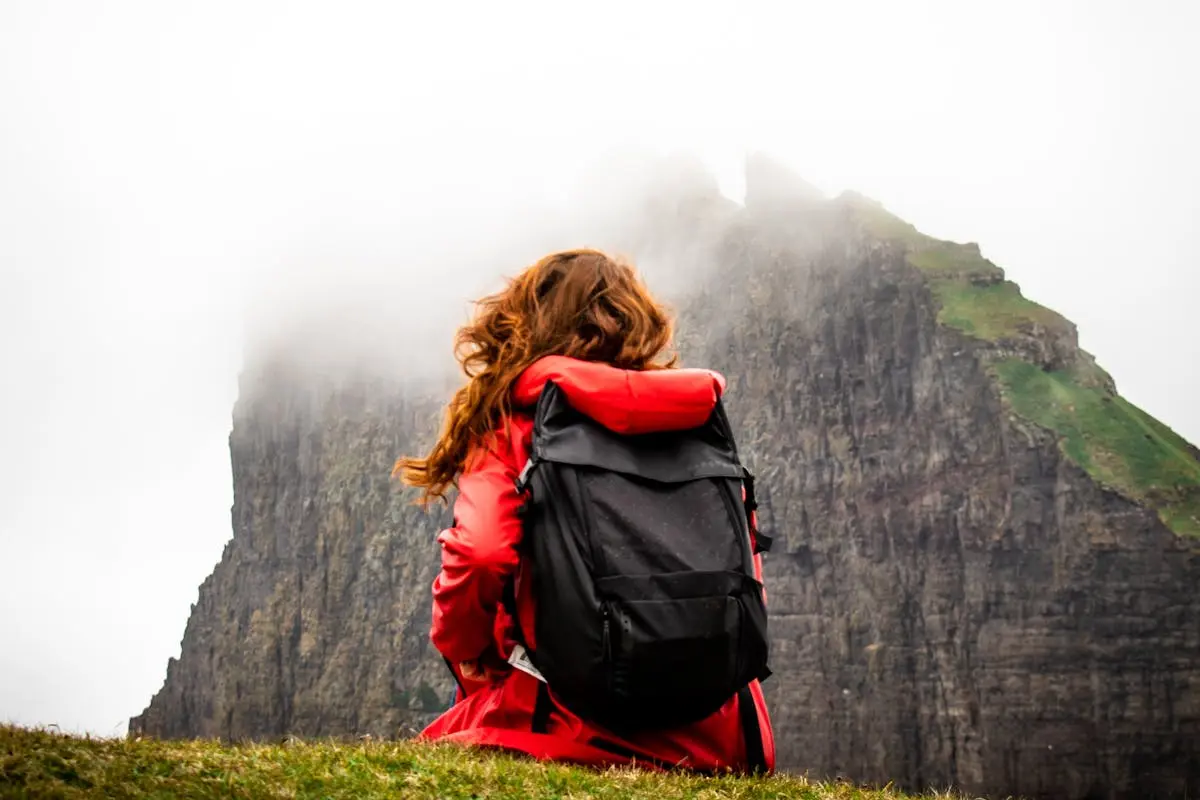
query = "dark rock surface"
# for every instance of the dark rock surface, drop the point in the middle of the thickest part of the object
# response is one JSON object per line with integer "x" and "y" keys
{"x": 316, "y": 620}
{"x": 954, "y": 602}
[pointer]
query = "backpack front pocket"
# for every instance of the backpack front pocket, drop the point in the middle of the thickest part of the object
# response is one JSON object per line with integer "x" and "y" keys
{"x": 672, "y": 659}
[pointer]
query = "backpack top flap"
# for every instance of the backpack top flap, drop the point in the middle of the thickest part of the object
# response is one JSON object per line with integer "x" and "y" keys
{"x": 563, "y": 435}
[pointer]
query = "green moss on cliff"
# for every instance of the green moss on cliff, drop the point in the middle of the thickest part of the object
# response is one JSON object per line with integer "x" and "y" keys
{"x": 949, "y": 260}
{"x": 971, "y": 290}
{"x": 993, "y": 312}
{"x": 1118, "y": 444}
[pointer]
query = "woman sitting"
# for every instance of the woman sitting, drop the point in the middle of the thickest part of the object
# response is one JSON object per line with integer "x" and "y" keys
{"x": 585, "y": 322}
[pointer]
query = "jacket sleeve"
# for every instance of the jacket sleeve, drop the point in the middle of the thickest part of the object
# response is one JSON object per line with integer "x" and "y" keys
{"x": 479, "y": 552}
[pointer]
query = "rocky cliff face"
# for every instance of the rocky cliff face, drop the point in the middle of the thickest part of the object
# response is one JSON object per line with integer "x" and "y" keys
{"x": 316, "y": 620}
{"x": 985, "y": 562}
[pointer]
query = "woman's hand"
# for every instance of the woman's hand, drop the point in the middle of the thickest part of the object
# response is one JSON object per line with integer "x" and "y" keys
{"x": 475, "y": 671}
{"x": 485, "y": 669}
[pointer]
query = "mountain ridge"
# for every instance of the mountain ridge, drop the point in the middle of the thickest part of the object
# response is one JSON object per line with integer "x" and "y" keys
{"x": 977, "y": 299}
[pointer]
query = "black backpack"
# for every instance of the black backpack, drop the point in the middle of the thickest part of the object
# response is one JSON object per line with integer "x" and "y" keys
{"x": 638, "y": 552}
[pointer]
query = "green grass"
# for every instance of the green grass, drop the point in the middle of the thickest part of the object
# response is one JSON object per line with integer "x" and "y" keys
{"x": 972, "y": 292}
{"x": 43, "y": 764}
{"x": 992, "y": 312}
{"x": 1117, "y": 443}
{"x": 951, "y": 260}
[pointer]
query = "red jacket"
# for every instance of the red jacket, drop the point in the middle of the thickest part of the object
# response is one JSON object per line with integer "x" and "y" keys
{"x": 480, "y": 552}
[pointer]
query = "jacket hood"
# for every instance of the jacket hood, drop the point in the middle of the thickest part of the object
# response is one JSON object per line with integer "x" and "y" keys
{"x": 626, "y": 401}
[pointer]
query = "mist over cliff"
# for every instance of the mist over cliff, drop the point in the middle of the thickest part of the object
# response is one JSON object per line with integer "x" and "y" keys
{"x": 985, "y": 557}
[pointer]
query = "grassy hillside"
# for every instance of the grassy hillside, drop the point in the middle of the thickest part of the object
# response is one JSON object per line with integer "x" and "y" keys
{"x": 1118, "y": 444}
{"x": 42, "y": 764}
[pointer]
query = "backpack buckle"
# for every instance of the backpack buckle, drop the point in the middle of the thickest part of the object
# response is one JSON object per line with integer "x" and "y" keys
{"x": 762, "y": 542}
{"x": 522, "y": 481}
{"x": 748, "y": 482}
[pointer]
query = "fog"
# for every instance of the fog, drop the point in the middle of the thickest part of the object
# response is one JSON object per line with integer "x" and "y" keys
{"x": 176, "y": 178}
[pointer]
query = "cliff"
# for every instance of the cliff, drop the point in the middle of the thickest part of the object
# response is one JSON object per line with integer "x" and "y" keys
{"x": 316, "y": 619}
{"x": 985, "y": 562}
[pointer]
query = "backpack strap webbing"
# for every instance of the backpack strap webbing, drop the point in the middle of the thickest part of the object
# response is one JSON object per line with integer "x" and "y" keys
{"x": 756, "y": 757}
{"x": 541, "y": 709}
{"x": 762, "y": 542}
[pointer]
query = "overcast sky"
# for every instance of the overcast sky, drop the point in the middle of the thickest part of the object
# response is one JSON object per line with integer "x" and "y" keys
{"x": 164, "y": 164}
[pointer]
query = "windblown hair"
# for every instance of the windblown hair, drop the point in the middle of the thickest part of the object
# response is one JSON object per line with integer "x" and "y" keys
{"x": 578, "y": 303}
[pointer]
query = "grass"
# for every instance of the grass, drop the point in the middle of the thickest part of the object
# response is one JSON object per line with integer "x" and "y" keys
{"x": 992, "y": 312}
{"x": 951, "y": 260}
{"x": 1117, "y": 443}
{"x": 37, "y": 763}
{"x": 972, "y": 292}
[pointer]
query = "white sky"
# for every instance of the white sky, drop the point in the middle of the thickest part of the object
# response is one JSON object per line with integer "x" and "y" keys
{"x": 161, "y": 162}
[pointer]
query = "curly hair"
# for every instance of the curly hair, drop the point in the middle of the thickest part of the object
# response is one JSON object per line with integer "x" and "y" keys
{"x": 582, "y": 304}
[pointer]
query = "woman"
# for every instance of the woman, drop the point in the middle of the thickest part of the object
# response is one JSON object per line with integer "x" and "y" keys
{"x": 585, "y": 321}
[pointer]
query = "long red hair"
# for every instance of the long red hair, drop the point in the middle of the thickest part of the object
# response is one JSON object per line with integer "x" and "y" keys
{"x": 583, "y": 304}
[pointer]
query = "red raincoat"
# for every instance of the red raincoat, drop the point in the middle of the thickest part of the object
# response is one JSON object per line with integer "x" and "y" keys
{"x": 480, "y": 552}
